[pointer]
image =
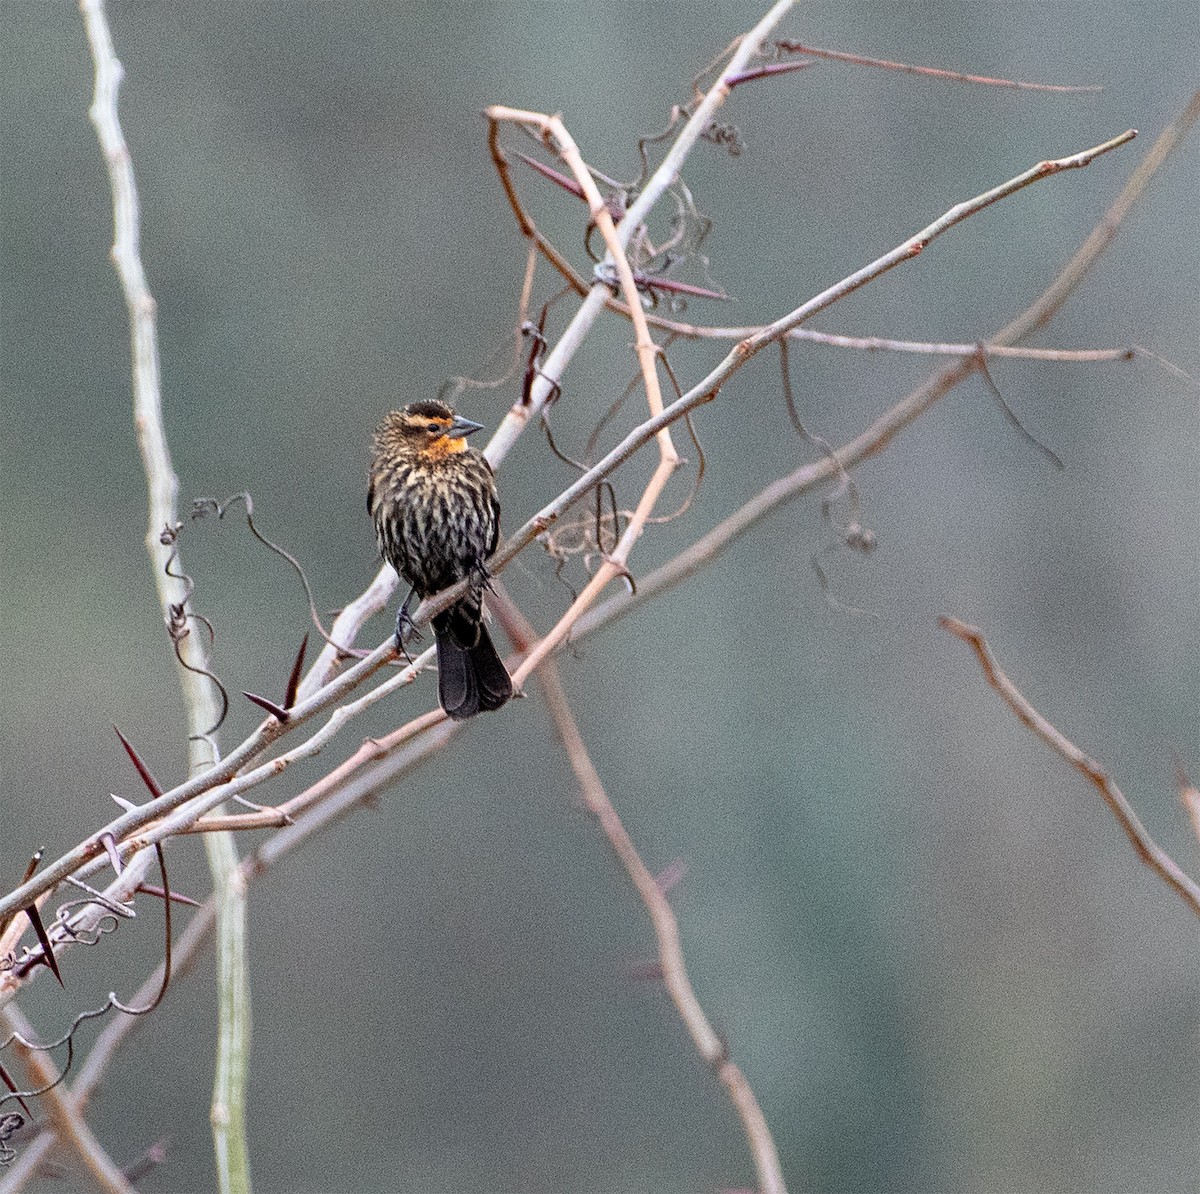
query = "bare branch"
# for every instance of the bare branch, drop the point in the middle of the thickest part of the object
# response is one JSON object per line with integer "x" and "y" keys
{"x": 709, "y": 1045}
{"x": 1153, "y": 855}
{"x": 912, "y": 406}
{"x": 795, "y": 47}
{"x": 871, "y": 441}
{"x": 65, "y": 1112}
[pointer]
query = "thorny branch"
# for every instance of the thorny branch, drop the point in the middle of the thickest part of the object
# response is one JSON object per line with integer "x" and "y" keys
{"x": 319, "y": 697}
{"x": 63, "y": 1112}
{"x": 202, "y": 793}
{"x": 596, "y": 296}
{"x": 328, "y": 695}
{"x": 185, "y": 952}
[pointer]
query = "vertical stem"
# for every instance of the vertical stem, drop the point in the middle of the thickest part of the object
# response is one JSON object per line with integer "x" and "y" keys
{"x": 233, "y": 1038}
{"x": 227, "y": 1112}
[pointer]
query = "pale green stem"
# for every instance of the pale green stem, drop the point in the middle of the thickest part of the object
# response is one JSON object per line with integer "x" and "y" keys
{"x": 233, "y": 1038}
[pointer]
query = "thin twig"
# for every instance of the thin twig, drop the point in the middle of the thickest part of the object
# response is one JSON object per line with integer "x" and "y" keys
{"x": 63, "y": 1111}
{"x": 1152, "y": 854}
{"x": 876, "y": 437}
{"x": 709, "y": 1045}
{"x": 795, "y": 47}
{"x": 928, "y": 348}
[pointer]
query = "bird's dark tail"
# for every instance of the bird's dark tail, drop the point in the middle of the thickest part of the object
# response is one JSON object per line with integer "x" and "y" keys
{"x": 470, "y": 679}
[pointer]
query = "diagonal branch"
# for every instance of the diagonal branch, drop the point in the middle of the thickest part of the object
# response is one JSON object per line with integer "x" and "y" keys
{"x": 64, "y": 1112}
{"x": 709, "y": 1045}
{"x": 1146, "y": 848}
{"x": 795, "y": 47}
{"x": 708, "y": 388}
{"x": 553, "y": 369}
{"x": 872, "y": 440}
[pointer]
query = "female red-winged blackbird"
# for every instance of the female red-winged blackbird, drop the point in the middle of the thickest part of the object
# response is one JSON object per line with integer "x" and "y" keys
{"x": 437, "y": 519}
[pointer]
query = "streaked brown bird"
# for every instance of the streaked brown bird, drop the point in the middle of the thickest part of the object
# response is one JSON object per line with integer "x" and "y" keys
{"x": 437, "y": 519}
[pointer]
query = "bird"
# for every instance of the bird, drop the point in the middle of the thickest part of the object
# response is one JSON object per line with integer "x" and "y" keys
{"x": 437, "y": 520}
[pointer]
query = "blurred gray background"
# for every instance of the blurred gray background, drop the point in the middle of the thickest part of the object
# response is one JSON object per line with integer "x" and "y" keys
{"x": 929, "y": 947}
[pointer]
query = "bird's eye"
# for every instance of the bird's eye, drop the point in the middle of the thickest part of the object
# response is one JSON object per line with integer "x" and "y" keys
{"x": 433, "y": 429}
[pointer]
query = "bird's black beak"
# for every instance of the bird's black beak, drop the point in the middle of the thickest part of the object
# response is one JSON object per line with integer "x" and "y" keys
{"x": 461, "y": 428}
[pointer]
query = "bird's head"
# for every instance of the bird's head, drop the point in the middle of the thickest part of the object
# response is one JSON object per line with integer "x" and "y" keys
{"x": 429, "y": 429}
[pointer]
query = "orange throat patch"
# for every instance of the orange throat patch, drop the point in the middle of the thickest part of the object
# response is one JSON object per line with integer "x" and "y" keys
{"x": 444, "y": 446}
